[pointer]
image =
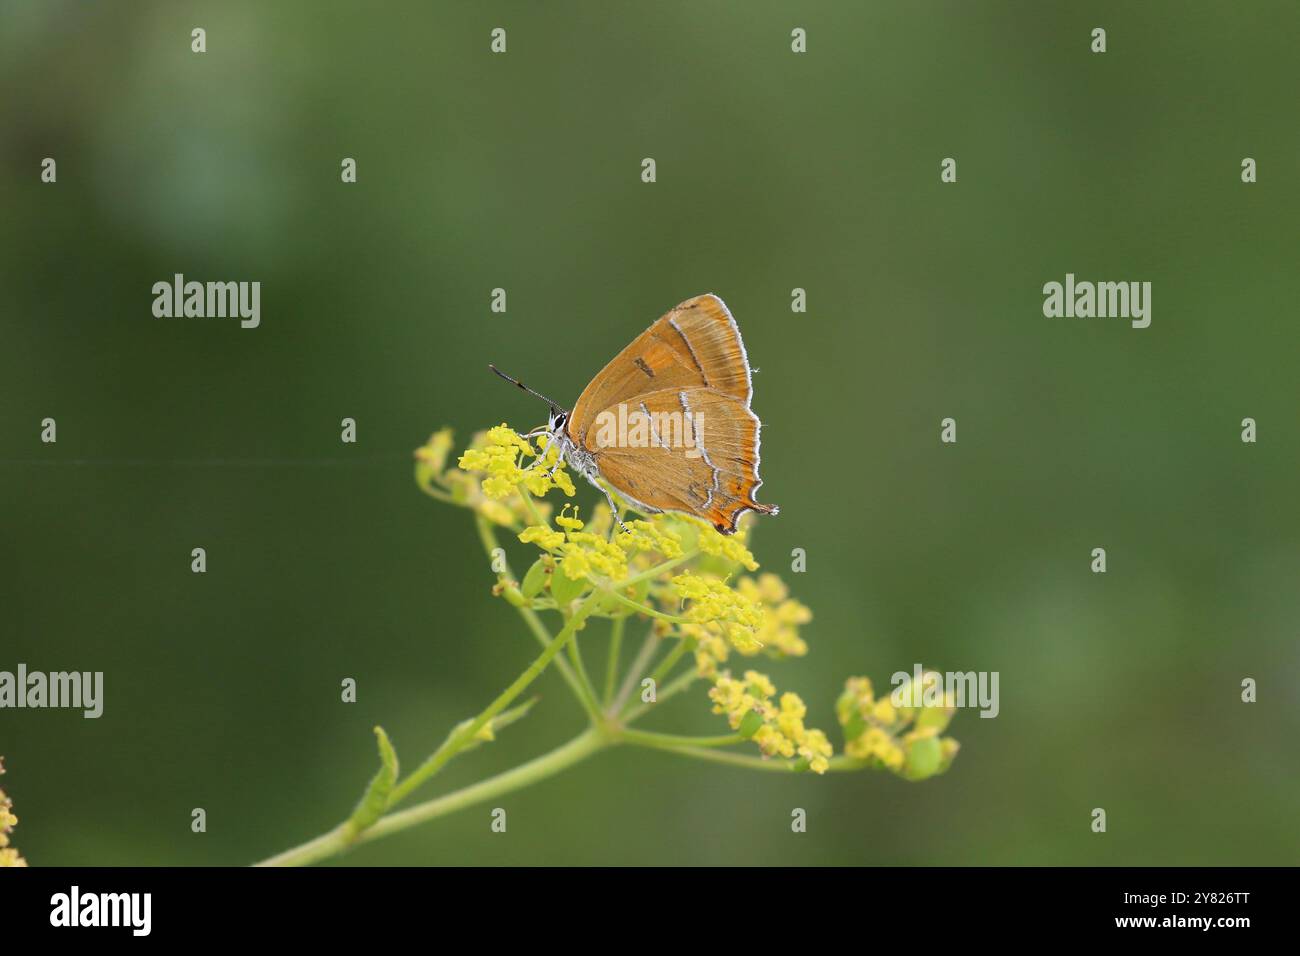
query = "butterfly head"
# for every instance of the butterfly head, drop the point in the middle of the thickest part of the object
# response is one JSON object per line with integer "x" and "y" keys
{"x": 558, "y": 419}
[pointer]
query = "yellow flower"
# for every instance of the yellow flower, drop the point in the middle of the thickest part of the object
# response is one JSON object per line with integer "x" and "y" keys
{"x": 904, "y": 740}
{"x": 497, "y": 459}
{"x": 731, "y": 547}
{"x": 711, "y": 648}
{"x": 778, "y": 731}
{"x": 433, "y": 454}
{"x": 584, "y": 553}
{"x": 467, "y": 488}
{"x": 8, "y": 855}
{"x": 567, "y": 523}
{"x": 816, "y": 749}
{"x": 884, "y": 712}
{"x": 712, "y": 602}
{"x": 646, "y": 536}
{"x": 591, "y": 552}
{"x": 780, "y": 630}
{"x": 544, "y": 537}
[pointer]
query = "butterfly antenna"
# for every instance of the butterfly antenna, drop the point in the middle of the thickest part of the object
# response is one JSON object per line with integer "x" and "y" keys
{"x": 519, "y": 384}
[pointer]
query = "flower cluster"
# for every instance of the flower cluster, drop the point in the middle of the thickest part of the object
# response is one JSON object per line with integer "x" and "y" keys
{"x": 711, "y": 604}
{"x": 8, "y": 855}
{"x": 776, "y": 633}
{"x": 498, "y": 460}
{"x": 492, "y": 479}
{"x": 778, "y": 730}
{"x": 581, "y": 554}
{"x": 694, "y": 584}
{"x": 903, "y": 739}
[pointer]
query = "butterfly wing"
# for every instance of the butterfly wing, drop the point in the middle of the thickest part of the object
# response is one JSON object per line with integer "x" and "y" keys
{"x": 695, "y": 345}
{"x": 700, "y": 456}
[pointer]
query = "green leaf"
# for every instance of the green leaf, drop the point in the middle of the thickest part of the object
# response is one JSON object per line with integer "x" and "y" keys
{"x": 375, "y": 801}
{"x": 749, "y": 724}
{"x": 563, "y": 588}
{"x": 534, "y": 580}
{"x": 855, "y": 726}
{"x": 923, "y": 758}
{"x": 493, "y": 726}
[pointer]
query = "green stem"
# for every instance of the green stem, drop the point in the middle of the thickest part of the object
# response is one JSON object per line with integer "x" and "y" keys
{"x": 437, "y": 494}
{"x": 586, "y": 688}
{"x": 646, "y": 610}
{"x": 639, "y": 664}
{"x": 532, "y": 506}
{"x": 487, "y": 535}
{"x": 839, "y": 764}
{"x": 646, "y": 738}
{"x": 678, "y": 684}
{"x": 665, "y": 667}
{"x": 615, "y": 651}
{"x": 670, "y": 661}
{"x": 455, "y": 743}
{"x": 658, "y": 569}
{"x": 335, "y": 841}
{"x": 543, "y": 636}
{"x": 726, "y": 756}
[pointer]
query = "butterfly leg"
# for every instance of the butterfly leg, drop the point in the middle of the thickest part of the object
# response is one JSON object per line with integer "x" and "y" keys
{"x": 613, "y": 508}
{"x": 542, "y": 457}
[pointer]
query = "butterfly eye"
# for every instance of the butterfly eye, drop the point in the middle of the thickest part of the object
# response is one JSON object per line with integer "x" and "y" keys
{"x": 559, "y": 420}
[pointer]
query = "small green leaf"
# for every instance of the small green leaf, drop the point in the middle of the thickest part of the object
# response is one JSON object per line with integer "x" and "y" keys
{"x": 923, "y": 758}
{"x": 534, "y": 580}
{"x": 375, "y": 801}
{"x": 489, "y": 730}
{"x": 855, "y": 726}
{"x": 750, "y": 724}
{"x": 563, "y": 588}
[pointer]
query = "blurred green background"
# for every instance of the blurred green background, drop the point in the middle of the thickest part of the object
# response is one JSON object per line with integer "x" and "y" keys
{"x": 775, "y": 171}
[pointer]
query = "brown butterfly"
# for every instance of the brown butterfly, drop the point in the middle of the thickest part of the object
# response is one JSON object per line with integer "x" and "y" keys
{"x": 667, "y": 423}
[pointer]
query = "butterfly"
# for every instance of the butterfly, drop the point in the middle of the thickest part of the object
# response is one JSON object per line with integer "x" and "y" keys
{"x": 667, "y": 423}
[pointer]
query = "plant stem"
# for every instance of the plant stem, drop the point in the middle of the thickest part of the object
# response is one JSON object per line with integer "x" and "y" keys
{"x": 532, "y": 506}
{"x": 665, "y": 667}
{"x": 646, "y": 738}
{"x": 671, "y": 658}
{"x": 548, "y": 764}
{"x": 615, "y": 651}
{"x": 678, "y": 684}
{"x": 585, "y": 686}
{"x": 646, "y": 610}
{"x": 726, "y": 756}
{"x": 458, "y": 741}
{"x": 658, "y": 569}
{"x": 638, "y": 667}
{"x": 543, "y": 635}
{"x": 487, "y": 535}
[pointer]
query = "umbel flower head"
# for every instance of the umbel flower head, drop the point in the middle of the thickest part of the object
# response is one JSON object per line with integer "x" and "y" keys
{"x": 778, "y": 729}
{"x": 696, "y": 588}
{"x": 8, "y": 855}
{"x": 906, "y": 740}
